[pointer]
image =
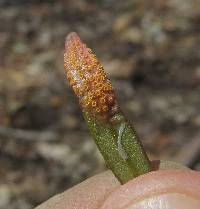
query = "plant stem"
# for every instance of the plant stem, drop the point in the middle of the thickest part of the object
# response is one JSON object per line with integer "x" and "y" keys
{"x": 114, "y": 136}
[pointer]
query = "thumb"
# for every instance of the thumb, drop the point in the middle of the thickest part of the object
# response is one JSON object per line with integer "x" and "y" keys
{"x": 163, "y": 189}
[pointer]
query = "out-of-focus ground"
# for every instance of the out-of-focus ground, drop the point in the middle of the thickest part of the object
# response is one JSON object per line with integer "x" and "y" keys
{"x": 151, "y": 51}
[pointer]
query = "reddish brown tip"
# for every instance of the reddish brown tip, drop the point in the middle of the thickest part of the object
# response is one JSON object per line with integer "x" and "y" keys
{"x": 87, "y": 77}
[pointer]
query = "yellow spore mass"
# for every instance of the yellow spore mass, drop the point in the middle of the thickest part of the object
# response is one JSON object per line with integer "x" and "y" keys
{"x": 87, "y": 78}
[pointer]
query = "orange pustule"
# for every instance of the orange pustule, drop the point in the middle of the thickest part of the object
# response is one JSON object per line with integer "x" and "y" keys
{"x": 87, "y": 78}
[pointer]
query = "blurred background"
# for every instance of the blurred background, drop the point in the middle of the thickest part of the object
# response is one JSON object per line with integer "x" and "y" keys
{"x": 151, "y": 51}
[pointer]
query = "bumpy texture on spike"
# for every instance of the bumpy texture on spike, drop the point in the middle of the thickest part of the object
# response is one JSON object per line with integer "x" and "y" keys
{"x": 114, "y": 136}
{"x": 88, "y": 79}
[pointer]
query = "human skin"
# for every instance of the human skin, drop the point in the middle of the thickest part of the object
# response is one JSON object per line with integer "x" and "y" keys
{"x": 161, "y": 189}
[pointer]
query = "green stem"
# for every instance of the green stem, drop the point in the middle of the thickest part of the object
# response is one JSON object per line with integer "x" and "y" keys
{"x": 120, "y": 147}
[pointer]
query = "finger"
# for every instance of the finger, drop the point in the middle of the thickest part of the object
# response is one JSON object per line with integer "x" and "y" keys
{"x": 164, "y": 189}
{"x": 92, "y": 192}
{"x": 87, "y": 195}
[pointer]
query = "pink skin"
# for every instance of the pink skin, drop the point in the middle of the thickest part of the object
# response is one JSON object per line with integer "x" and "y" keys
{"x": 103, "y": 191}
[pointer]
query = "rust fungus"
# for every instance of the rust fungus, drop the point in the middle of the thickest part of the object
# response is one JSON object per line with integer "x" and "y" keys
{"x": 88, "y": 78}
{"x": 114, "y": 136}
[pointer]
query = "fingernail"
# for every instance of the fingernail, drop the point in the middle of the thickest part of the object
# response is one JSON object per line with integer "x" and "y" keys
{"x": 167, "y": 201}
